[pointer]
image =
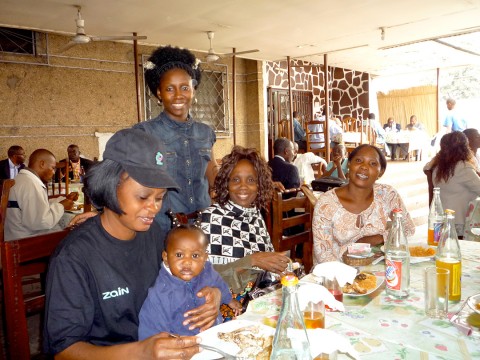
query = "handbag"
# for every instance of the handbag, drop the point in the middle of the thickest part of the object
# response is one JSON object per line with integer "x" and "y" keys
{"x": 327, "y": 183}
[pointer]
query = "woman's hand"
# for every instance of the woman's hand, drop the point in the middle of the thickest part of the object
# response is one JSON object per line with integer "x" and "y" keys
{"x": 204, "y": 316}
{"x": 80, "y": 218}
{"x": 271, "y": 261}
{"x": 165, "y": 346}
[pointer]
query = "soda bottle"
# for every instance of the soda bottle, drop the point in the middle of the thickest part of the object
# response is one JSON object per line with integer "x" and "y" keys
{"x": 449, "y": 256}
{"x": 472, "y": 223}
{"x": 435, "y": 218}
{"x": 397, "y": 259}
{"x": 290, "y": 341}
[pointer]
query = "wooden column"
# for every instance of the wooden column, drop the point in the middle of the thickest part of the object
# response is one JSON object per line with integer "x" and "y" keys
{"x": 290, "y": 100}
{"x": 137, "y": 82}
{"x": 234, "y": 96}
{"x": 327, "y": 107}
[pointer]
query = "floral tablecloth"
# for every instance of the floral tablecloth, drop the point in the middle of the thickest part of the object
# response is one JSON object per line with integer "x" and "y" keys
{"x": 382, "y": 327}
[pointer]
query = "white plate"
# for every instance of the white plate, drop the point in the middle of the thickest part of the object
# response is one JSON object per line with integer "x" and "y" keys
{"x": 473, "y": 301}
{"x": 380, "y": 280}
{"x": 415, "y": 259}
{"x": 210, "y": 337}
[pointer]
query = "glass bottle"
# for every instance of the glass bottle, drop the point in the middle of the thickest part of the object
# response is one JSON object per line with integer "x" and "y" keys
{"x": 449, "y": 256}
{"x": 435, "y": 218}
{"x": 290, "y": 341}
{"x": 397, "y": 259}
{"x": 472, "y": 223}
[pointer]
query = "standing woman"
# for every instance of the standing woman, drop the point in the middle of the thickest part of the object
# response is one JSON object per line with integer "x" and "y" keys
{"x": 173, "y": 74}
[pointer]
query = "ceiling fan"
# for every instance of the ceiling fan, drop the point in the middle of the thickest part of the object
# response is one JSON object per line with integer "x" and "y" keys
{"x": 213, "y": 56}
{"x": 82, "y": 38}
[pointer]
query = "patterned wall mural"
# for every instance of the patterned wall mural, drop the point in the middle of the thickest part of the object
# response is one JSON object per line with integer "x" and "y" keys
{"x": 348, "y": 88}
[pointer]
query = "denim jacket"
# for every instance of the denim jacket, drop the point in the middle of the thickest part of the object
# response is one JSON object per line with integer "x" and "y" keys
{"x": 188, "y": 145}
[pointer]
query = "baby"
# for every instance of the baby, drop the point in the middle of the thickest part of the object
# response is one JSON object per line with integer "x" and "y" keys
{"x": 184, "y": 272}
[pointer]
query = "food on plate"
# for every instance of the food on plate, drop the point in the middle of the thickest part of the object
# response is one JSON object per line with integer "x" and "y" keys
{"x": 421, "y": 251}
{"x": 477, "y": 306}
{"x": 252, "y": 345}
{"x": 362, "y": 284}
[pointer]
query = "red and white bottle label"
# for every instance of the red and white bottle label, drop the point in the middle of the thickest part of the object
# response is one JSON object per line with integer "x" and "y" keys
{"x": 393, "y": 274}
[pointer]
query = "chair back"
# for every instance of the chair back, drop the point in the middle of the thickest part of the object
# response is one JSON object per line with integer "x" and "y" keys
{"x": 5, "y": 186}
{"x": 350, "y": 124}
{"x": 284, "y": 217}
{"x": 62, "y": 178}
{"x": 22, "y": 258}
{"x": 316, "y": 138}
{"x": 284, "y": 128}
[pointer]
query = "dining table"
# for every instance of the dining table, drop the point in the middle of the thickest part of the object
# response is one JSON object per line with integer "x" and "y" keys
{"x": 380, "y": 326}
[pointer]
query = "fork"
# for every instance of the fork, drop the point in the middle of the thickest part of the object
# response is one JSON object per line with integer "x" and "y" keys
{"x": 225, "y": 355}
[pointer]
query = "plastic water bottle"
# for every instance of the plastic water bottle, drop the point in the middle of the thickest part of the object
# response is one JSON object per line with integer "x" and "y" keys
{"x": 397, "y": 259}
{"x": 435, "y": 218}
{"x": 290, "y": 341}
{"x": 449, "y": 256}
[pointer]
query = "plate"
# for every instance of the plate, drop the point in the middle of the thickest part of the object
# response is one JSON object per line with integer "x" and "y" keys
{"x": 380, "y": 280}
{"x": 416, "y": 259}
{"x": 473, "y": 302}
{"x": 210, "y": 337}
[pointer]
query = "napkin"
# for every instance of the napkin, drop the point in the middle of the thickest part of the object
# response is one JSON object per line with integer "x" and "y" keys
{"x": 327, "y": 341}
{"x": 343, "y": 272}
{"x": 315, "y": 293}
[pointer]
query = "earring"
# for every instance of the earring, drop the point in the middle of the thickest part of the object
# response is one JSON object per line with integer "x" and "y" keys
{"x": 160, "y": 102}
{"x": 195, "y": 101}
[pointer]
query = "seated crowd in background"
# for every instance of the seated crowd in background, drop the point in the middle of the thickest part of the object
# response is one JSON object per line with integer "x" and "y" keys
{"x": 11, "y": 166}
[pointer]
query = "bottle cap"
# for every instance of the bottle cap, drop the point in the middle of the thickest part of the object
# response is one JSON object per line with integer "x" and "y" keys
{"x": 289, "y": 280}
{"x": 397, "y": 210}
{"x": 449, "y": 212}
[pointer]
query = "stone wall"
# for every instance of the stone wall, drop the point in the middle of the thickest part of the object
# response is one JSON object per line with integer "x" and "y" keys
{"x": 348, "y": 88}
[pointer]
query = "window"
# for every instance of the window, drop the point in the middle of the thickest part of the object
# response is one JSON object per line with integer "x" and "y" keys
{"x": 18, "y": 41}
{"x": 211, "y": 105}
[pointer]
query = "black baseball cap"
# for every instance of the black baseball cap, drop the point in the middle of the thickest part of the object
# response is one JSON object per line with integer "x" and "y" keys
{"x": 141, "y": 156}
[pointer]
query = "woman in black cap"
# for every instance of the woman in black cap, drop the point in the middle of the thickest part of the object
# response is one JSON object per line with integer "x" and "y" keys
{"x": 173, "y": 74}
{"x": 100, "y": 274}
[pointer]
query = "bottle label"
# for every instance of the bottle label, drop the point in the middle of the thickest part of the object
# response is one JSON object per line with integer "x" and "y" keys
{"x": 393, "y": 274}
{"x": 437, "y": 230}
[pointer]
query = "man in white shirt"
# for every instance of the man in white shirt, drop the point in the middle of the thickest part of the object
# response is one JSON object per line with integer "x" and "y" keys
{"x": 29, "y": 211}
{"x": 10, "y": 166}
{"x": 304, "y": 163}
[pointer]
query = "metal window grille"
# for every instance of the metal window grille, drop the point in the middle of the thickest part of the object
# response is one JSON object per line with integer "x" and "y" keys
{"x": 17, "y": 41}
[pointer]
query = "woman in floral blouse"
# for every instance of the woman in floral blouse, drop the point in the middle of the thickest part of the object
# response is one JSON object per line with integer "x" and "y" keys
{"x": 358, "y": 211}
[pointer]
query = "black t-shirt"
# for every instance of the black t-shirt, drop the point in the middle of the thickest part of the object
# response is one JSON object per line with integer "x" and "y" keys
{"x": 96, "y": 285}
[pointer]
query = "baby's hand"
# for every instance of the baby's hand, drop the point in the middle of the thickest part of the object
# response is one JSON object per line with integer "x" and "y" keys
{"x": 236, "y": 307}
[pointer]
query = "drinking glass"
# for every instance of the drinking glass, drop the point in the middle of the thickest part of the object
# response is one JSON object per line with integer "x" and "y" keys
{"x": 436, "y": 292}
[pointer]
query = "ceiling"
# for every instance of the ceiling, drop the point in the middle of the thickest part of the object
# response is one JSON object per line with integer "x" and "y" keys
{"x": 348, "y": 31}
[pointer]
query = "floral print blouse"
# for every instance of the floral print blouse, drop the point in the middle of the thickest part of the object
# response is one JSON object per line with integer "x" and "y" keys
{"x": 334, "y": 228}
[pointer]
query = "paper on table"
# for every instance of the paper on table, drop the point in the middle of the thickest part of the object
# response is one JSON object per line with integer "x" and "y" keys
{"x": 316, "y": 293}
{"x": 339, "y": 270}
{"x": 323, "y": 341}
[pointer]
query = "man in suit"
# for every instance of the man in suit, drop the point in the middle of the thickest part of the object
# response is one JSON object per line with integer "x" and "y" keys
{"x": 391, "y": 125}
{"x": 10, "y": 166}
{"x": 281, "y": 164}
{"x": 78, "y": 165}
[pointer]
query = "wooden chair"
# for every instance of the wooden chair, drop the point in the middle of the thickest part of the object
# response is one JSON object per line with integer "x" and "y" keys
{"x": 284, "y": 128}
{"x": 22, "y": 258}
{"x": 316, "y": 135}
{"x": 61, "y": 172}
{"x": 280, "y": 222}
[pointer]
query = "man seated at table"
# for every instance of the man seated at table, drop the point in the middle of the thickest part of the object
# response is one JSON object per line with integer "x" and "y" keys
{"x": 304, "y": 163}
{"x": 10, "y": 167}
{"x": 299, "y": 132}
{"x": 29, "y": 210}
{"x": 281, "y": 164}
{"x": 392, "y": 126}
{"x": 414, "y": 124}
{"x": 78, "y": 164}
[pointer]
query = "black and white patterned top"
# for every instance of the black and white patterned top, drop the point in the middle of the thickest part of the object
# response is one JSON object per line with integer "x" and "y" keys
{"x": 233, "y": 232}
